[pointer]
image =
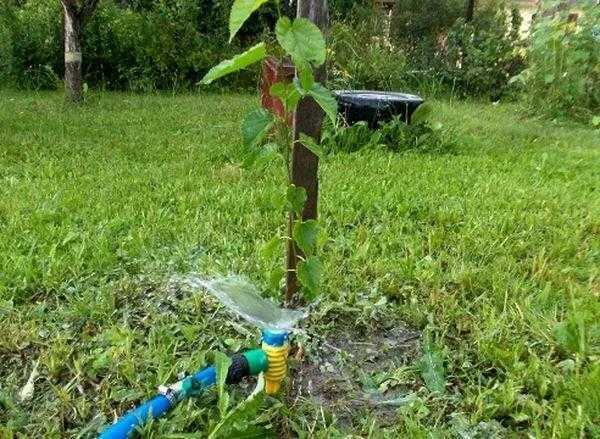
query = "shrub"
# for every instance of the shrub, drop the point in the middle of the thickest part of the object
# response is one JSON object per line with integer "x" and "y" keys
{"x": 7, "y": 61}
{"x": 361, "y": 58}
{"x": 163, "y": 45}
{"x": 347, "y": 9}
{"x": 421, "y": 135}
{"x": 563, "y": 74}
{"x": 484, "y": 54}
{"x": 128, "y": 44}
{"x": 37, "y": 44}
{"x": 419, "y": 28}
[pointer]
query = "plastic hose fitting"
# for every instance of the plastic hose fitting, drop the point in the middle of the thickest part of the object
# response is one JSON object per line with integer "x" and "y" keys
{"x": 275, "y": 345}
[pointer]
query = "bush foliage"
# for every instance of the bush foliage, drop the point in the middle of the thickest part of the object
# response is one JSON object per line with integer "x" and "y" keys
{"x": 484, "y": 54}
{"x": 423, "y": 135}
{"x": 130, "y": 44}
{"x": 430, "y": 52}
{"x": 419, "y": 32}
{"x": 158, "y": 44}
{"x": 563, "y": 74}
{"x": 360, "y": 59}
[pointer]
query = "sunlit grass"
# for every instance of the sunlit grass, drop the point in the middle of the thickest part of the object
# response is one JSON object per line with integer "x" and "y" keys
{"x": 493, "y": 250}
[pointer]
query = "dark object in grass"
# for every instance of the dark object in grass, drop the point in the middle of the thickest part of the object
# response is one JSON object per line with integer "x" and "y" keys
{"x": 375, "y": 107}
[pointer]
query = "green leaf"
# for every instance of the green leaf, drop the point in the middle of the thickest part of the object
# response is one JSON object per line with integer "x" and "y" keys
{"x": 239, "y": 422}
{"x": 287, "y": 93}
{"x": 305, "y": 77}
{"x": 279, "y": 200}
{"x": 240, "y": 12}
{"x": 222, "y": 363}
{"x": 571, "y": 334}
{"x": 238, "y": 62}
{"x": 431, "y": 365}
{"x": 302, "y": 40}
{"x": 279, "y": 90}
{"x": 270, "y": 247}
{"x": 305, "y": 234}
{"x": 309, "y": 274}
{"x": 260, "y": 156}
{"x": 422, "y": 113}
{"x": 325, "y": 99}
{"x": 548, "y": 78}
{"x": 256, "y": 126}
{"x": 596, "y": 121}
{"x": 296, "y": 198}
{"x": 275, "y": 278}
{"x": 311, "y": 145}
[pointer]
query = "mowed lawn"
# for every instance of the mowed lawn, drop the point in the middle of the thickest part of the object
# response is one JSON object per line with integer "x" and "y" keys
{"x": 492, "y": 251}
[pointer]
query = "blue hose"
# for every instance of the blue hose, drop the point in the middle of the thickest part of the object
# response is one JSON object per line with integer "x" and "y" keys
{"x": 155, "y": 408}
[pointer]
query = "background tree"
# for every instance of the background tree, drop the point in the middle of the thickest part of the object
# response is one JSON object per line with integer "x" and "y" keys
{"x": 75, "y": 14}
{"x": 470, "y": 11}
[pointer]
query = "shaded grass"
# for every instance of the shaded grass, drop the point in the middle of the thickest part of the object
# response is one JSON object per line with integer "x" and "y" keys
{"x": 493, "y": 251}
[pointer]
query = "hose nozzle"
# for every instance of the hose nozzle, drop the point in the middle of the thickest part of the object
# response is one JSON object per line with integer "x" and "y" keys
{"x": 275, "y": 345}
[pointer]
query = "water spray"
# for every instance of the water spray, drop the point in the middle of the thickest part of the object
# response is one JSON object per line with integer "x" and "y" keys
{"x": 270, "y": 359}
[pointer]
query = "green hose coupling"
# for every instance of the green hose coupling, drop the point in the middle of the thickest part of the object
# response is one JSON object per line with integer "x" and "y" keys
{"x": 257, "y": 361}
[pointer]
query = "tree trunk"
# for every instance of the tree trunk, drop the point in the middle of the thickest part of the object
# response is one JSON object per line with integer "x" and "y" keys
{"x": 470, "y": 11}
{"x": 72, "y": 42}
{"x": 308, "y": 120}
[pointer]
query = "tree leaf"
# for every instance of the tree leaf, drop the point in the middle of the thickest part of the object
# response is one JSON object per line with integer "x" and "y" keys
{"x": 422, "y": 113}
{"x": 222, "y": 363}
{"x": 305, "y": 235}
{"x": 275, "y": 278}
{"x": 287, "y": 93}
{"x": 325, "y": 99}
{"x": 256, "y": 125}
{"x": 296, "y": 198}
{"x": 268, "y": 249}
{"x": 431, "y": 365}
{"x": 259, "y": 156}
{"x": 279, "y": 200}
{"x": 305, "y": 77}
{"x": 309, "y": 274}
{"x": 311, "y": 145}
{"x": 302, "y": 40}
{"x": 240, "y": 12}
{"x": 238, "y": 62}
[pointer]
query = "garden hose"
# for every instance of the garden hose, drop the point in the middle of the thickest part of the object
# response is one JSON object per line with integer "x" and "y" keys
{"x": 242, "y": 365}
{"x": 270, "y": 360}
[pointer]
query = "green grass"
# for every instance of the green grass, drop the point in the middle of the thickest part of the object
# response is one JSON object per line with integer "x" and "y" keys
{"x": 493, "y": 251}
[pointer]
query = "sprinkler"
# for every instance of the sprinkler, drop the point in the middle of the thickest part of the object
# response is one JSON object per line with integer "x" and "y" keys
{"x": 270, "y": 360}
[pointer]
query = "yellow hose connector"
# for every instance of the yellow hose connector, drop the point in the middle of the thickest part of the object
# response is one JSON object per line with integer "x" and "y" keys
{"x": 277, "y": 370}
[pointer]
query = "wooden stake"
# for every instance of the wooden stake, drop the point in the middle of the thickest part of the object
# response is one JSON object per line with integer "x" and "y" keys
{"x": 308, "y": 120}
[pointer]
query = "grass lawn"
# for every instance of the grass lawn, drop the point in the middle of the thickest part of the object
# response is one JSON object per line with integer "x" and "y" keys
{"x": 492, "y": 253}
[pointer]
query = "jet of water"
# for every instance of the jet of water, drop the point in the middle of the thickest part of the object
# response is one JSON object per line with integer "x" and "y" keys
{"x": 242, "y": 298}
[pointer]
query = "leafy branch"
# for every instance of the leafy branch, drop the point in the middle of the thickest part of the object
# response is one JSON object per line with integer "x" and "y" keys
{"x": 267, "y": 135}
